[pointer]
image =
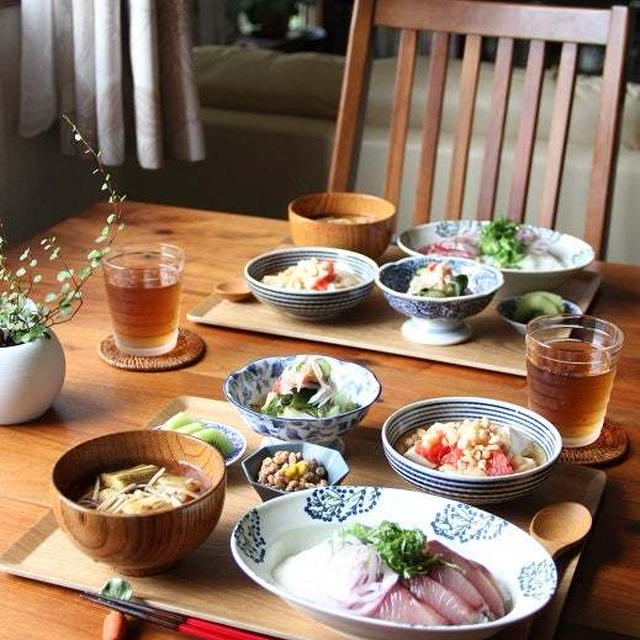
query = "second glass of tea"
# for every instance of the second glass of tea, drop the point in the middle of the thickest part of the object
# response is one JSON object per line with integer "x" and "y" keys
{"x": 571, "y": 364}
{"x": 143, "y": 290}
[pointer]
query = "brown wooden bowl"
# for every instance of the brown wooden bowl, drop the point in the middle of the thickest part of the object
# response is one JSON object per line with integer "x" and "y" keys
{"x": 370, "y": 236}
{"x": 138, "y": 545}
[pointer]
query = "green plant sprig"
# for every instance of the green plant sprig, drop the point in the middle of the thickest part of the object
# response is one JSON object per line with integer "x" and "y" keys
{"x": 22, "y": 318}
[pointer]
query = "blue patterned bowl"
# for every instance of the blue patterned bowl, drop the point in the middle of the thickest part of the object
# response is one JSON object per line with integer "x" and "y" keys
{"x": 274, "y": 530}
{"x": 330, "y": 459}
{"x": 310, "y": 305}
{"x": 438, "y": 320}
{"x": 576, "y": 254}
{"x": 507, "y": 308}
{"x": 473, "y": 489}
{"x": 247, "y": 388}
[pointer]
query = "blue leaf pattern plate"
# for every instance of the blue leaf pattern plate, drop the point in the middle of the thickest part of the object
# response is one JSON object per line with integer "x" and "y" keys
{"x": 269, "y": 533}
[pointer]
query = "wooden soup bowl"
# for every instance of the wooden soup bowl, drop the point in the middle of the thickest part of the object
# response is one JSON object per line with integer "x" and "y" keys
{"x": 370, "y": 237}
{"x": 138, "y": 545}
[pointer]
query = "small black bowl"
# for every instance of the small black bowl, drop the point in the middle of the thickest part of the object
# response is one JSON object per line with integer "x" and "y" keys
{"x": 330, "y": 459}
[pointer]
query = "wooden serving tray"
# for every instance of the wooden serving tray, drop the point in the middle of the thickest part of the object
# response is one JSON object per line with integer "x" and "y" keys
{"x": 209, "y": 585}
{"x": 375, "y": 326}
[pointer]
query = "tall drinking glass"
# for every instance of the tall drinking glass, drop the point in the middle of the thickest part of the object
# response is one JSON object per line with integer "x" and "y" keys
{"x": 571, "y": 364}
{"x": 143, "y": 289}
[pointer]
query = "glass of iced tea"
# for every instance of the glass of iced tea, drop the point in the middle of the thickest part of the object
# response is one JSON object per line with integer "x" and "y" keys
{"x": 571, "y": 364}
{"x": 143, "y": 289}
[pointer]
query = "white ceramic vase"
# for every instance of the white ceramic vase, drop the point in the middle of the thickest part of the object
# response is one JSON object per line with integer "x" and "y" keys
{"x": 31, "y": 376}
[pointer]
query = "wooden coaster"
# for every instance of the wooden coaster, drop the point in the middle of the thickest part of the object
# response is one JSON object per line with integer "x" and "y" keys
{"x": 609, "y": 447}
{"x": 189, "y": 349}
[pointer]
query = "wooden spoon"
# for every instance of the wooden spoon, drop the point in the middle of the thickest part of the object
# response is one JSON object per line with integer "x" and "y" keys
{"x": 560, "y": 526}
{"x": 557, "y": 527}
{"x": 235, "y": 290}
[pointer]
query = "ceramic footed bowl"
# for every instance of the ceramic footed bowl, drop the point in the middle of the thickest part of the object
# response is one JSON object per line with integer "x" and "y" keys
{"x": 274, "y": 530}
{"x": 438, "y": 321}
{"x": 247, "y": 388}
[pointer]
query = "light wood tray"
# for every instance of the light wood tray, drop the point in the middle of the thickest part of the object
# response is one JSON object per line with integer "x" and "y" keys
{"x": 208, "y": 584}
{"x": 375, "y": 326}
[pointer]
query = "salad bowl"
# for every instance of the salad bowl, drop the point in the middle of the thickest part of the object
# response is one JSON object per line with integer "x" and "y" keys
{"x": 311, "y": 305}
{"x": 247, "y": 388}
{"x": 534, "y": 274}
{"x": 278, "y": 529}
{"x": 473, "y": 489}
{"x": 438, "y": 321}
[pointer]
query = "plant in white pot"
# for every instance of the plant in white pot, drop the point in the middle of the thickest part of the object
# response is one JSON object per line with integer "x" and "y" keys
{"x": 32, "y": 363}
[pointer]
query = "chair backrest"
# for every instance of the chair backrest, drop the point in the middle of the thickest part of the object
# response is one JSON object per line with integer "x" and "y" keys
{"x": 476, "y": 19}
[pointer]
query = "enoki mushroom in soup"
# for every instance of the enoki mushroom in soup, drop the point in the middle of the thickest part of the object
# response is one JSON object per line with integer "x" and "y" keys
{"x": 141, "y": 489}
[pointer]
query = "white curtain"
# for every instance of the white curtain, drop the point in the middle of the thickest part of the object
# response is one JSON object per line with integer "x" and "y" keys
{"x": 75, "y": 61}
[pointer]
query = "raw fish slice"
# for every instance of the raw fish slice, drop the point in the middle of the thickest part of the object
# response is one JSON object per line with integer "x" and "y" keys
{"x": 476, "y": 574}
{"x": 455, "y": 581}
{"x": 444, "y": 601}
{"x": 401, "y": 606}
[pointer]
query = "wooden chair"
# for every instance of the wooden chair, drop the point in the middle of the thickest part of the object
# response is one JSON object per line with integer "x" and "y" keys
{"x": 475, "y": 19}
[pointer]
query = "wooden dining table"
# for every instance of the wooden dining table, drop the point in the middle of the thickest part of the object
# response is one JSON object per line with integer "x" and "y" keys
{"x": 604, "y": 601}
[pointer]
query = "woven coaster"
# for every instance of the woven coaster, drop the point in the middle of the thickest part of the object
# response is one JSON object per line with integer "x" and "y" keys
{"x": 609, "y": 447}
{"x": 189, "y": 349}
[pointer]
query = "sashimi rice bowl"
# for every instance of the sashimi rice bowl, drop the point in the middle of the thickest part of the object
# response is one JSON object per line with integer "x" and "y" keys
{"x": 389, "y": 563}
{"x": 530, "y": 257}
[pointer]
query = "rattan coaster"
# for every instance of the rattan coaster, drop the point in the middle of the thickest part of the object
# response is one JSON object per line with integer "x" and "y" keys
{"x": 189, "y": 350}
{"x": 609, "y": 447}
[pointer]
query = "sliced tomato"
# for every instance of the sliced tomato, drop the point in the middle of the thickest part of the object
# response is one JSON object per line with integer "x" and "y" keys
{"x": 499, "y": 464}
{"x": 452, "y": 456}
{"x": 433, "y": 452}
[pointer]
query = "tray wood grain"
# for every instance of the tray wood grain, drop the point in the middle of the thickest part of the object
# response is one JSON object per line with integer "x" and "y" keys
{"x": 208, "y": 584}
{"x": 375, "y": 326}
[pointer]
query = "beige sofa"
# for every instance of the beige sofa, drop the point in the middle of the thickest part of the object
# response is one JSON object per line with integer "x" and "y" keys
{"x": 269, "y": 121}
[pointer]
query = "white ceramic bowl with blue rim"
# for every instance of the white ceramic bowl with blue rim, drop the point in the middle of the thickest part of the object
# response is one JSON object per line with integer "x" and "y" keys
{"x": 247, "y": 388}
{"x": 507, "y": 308}
{"x": 238, "y": 441}
{"x": 576, "y": 254}
{"x": 438, "y": 321}
{"x": 473, "y": 489}
{"x": 311, "y": 305}
{"x": 269, "y": 533}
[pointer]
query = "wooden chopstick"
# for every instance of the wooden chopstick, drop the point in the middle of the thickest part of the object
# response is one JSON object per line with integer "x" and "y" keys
{"x": 194, "y": 627}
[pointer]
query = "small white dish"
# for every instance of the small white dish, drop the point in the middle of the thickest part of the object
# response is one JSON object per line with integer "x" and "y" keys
{"x": 507, "y": 307}
{"x": 238, "y": 441}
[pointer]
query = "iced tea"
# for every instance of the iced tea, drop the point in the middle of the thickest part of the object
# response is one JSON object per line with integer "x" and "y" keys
{"x": 143, "y": 289}
{"x": 571, "y": 365}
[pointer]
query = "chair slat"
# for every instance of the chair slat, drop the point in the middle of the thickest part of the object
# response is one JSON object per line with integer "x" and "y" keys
{"x": 607, "y": 133}
{"x": 401, "y": 111}
{"x": 526, "y": 131}
{"x": 495, "y": 129}
{"x": 431, "y": 126}
{"x": 558, "y": 134}
{"x": 464, "y": 125}
{"x": 497, "y": 19}
{"x": 354, "y": 83}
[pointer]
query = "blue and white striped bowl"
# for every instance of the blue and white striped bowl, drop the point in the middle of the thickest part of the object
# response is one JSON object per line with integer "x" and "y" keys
{"x": 310, "y": 305}
{"x": 473, "y": 489}
{"x": 247, "y": 388}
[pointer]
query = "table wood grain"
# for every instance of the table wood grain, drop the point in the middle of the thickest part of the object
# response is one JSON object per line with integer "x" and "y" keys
{"x": 604, "y": 602}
